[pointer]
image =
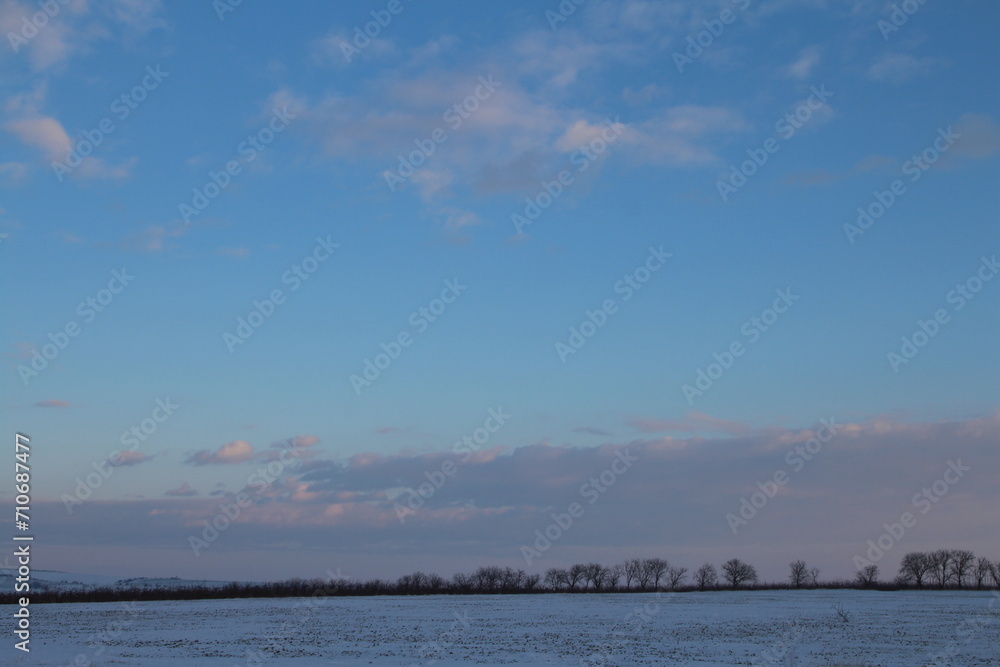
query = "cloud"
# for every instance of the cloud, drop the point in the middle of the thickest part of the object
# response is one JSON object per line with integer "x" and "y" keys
{"x": 13, "y": 173}
{"x": 824, "y": 176}
{"x": 980, "y": 137}
{"x": 336, "y": 49}
{"x": 52, "y": 403}
{"x": 155, "y": 238}
{"x": 298, "y": 442}
{"x": 183, "y": 491}
{"x": 44, "y": 133}
{"x": 900, "y": 68}
{"x": 236, "y": 451}
{"x": 678, "y": 136}
{"x": 520, "y": 133}
{"x": 76, "y": 25}
{"x": 455, "y": 220}
{"x": 240, "y": 451}
{"x": 47, "y": 135}
{"x": 803, "y": 66}
{"x": 672, "y": 500}
{"x": 130, "y": 457}
{"x": 693, "y": 422}
{"x": 592, "y": 431}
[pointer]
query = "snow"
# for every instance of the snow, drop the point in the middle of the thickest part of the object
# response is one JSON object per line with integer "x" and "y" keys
{"x": 898, "y": 629}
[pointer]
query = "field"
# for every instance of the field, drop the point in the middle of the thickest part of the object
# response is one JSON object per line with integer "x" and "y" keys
{"x": 822, "y": 628}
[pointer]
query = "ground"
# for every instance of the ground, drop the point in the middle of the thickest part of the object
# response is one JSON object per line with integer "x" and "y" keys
{"x": 815, "y": 628}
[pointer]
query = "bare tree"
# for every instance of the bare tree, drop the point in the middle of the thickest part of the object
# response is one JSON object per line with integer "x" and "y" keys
{"x": 706, "y": 577}
{"x": 556, "y": 578}
{"x": 655, "y": 568}
{"x": 531, "y": 581}
{"x": 577, "y": 574}
{"x": 914, "y": 568}
{"x": 983, "y": 572}
{"x": 867, "y": 576}
{"x": 435, "y": 582}
{"x": 597, "y": 575}
{"x": 643, "y": 576}
{"x": 798, "y": 573}
{"x": 487, "y": 579}
{"x": 813, "y": 576}
{"x": 941, "y": 567}
{"x": 631, "y": 569}
{"x": 614, "y": 575}
{"x": 511, "y": 579}
{"x": 737, "y": 573}
{"x": 961, "y": 565}
{"x": 462, "y": 582}
{"x": 674, "y": 577}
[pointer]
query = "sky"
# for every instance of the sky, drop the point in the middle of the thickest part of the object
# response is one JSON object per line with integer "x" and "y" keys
{"x": 373, "y": 287}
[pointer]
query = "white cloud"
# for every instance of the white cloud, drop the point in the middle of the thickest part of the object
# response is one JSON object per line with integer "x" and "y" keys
{"x": 980, "y": 136}
{"x": 802, "y": 68}
{"x": 900, "y": 67}
{"x": 74, "y": 27}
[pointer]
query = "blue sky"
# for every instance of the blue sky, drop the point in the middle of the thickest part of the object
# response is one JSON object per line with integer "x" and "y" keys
{"x": 661, "y": 139}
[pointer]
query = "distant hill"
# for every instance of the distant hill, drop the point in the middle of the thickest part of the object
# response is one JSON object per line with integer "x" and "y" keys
{"x": 54, "y": 580}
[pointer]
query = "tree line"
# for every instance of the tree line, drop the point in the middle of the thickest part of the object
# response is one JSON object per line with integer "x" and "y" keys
{"x": 944, "y": 568}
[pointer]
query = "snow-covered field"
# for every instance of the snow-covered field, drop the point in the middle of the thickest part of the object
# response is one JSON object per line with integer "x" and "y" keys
{"x": 903, "y": 629}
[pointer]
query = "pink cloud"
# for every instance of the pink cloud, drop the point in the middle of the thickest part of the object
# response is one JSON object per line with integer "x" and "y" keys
{"x": 236, "y": 451}
{"x": 298, "y": 442}
{"x": 183, "y": 491}
{"x": 129, "y": 458}
{"x": 671, "y": 501}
